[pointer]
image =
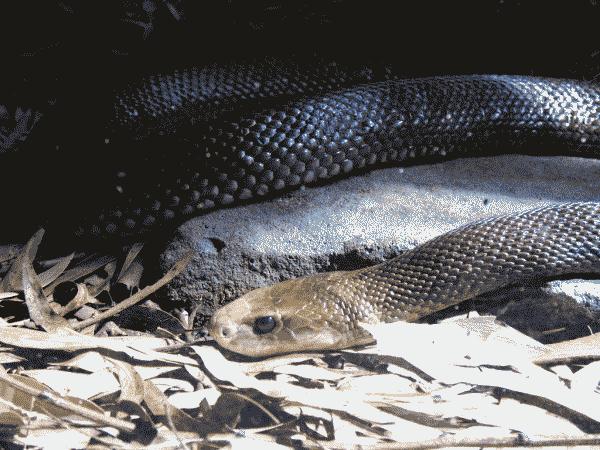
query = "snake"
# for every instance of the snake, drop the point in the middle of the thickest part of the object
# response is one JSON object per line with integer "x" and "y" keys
{"x": 325, "y": 311}
{"x": 182, "y": 143}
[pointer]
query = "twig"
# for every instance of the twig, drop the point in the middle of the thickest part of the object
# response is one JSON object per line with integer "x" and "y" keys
{"x": 191, "y": 319}
{"x": 138, "y": 296}
{"x": 48, "y": 396}
{"x": 510, "y": 441}
{"x": 181, "y": 345}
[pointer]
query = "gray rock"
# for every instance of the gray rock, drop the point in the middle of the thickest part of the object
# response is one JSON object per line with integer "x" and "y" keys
{"x": 584, "y": 292}
{"x": 549, "y": 312}
{"x": 362, "y": 220}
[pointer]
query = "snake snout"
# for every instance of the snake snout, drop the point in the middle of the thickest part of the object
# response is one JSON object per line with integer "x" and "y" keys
{"x": 220, "y": 328}
{"x": 224, "y": 331}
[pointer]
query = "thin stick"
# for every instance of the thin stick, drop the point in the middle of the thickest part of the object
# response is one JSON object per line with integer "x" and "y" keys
{"x": 68, "y": 405}
{"x": 509, "y": 441}
{"x": 138, "y": 296}
{"x": 181, "y": 345}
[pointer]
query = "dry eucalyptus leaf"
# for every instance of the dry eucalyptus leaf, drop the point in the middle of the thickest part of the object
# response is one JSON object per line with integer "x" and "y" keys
{"x": 310, "y": 372}
{"x": 81, "y": 298}
{"x": 132, "y": 276}
{"x": 53, "y": 438}
{"x": 159, "y": 406}
{"x": 451, "y": 353}
{"x": 133, "y": 253}
{"x": 132, "y": 269}
{"x": 8, "y": 252}
{"x": 88, "y": 361}
{"x": 80, "y": 385}
{"x": 12, "y": 281}
{"x": 37, "y": 303}
{"x": 92, "y": 362}
{"x": 10, "y": 418}
{"x": 130, "y": 381}
{"x": 104, "y": 284}
{"x": 192, "y": 400}
{"x": 382, "y": 384}
{"x": 173, "y": 384}
{"x": 587, "y": 379}
{"x": 32, "y": 403}
{"x": 326, "y": 398}
{"x": 136, "y": 347}
{"x": 563, "y": 371}
{"x": 150, "y": 319}
{"x": 482, "y": 408}
{"x": 247, "y": 441}
{"x": 83, "y": 268}
{"x": 55, "y": 271}
{"x": 585, "y": 347}
{"x": 270, "y": 364}
{"x": 8, "y": 358}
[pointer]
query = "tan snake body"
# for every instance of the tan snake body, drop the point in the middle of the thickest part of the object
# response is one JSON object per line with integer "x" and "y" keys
{"x": 323, "y": 311}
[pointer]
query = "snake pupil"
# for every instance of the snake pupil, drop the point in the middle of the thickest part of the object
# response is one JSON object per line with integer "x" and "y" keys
{"x": 264, "y": 325}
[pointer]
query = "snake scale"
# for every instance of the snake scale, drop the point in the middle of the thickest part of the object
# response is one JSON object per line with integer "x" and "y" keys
{"x": 182, "y": 143}
{"x": 398, "y": 121}
{"x": 323, "y": 311}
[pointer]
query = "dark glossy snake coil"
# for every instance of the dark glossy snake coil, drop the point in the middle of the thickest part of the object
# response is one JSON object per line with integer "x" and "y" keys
{"x": 182, "y": 143}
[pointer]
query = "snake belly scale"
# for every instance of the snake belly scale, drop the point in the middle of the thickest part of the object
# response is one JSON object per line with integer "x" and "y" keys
{"x": 323, "y": 311}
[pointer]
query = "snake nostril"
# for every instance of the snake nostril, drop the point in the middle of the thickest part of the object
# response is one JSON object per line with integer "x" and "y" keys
{"x": 225, "y": 332}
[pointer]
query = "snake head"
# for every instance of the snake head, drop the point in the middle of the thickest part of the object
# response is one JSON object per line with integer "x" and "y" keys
{"x": 303, "y": 314}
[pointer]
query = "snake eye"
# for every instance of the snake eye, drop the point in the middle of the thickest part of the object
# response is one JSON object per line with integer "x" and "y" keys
{"x": 264, "y": 325}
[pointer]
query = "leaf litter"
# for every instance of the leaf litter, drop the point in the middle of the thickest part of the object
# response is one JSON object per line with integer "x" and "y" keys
{"x": 468, "y": 381}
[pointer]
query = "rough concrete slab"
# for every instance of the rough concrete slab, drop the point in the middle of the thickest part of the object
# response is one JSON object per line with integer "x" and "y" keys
{"x": 363, "y": 220}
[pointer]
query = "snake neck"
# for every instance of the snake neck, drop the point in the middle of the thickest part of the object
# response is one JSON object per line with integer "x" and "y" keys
{"x": 326, "y": 311}
{"x": 372, "y": 295}
{"x": 477, "y": 258}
